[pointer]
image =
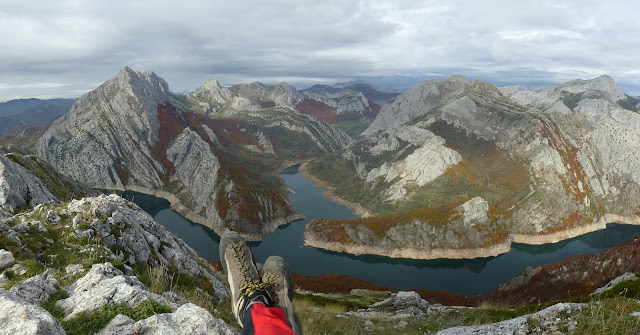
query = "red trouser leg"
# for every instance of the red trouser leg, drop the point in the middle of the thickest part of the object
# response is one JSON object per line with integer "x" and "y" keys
{"x": 265, "y": 321}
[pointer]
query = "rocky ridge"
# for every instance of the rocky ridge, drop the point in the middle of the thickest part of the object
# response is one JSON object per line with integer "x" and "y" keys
{"x": 551, "y": 164}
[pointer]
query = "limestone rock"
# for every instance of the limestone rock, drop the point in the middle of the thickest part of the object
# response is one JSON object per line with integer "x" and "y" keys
{"x": 104, "y": 285}
{"x": 19, "y": 188}
{"x": 6, "y": 259}
{"x": 143, "y": 239}
{"x": 18, "y": 316}
{"x": 545, "y": 321}
{"x": 187, "y": 320}
{"x": 625, "y": 277}
{"x": 398, "y": 305}
{"x": 37, "y": 289}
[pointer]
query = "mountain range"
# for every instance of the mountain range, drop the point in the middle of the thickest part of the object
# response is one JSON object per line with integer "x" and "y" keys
{"x": 212, "y": 153}
{"x": 460, "y": 169}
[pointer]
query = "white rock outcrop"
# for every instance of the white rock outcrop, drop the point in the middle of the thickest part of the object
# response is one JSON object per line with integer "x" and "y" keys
{"x": 18, "y": 316}
{"x": 104, "y": 285}
{"x": 546, "y": 321}
{"x": 6, "y": 259}
{"x": 189, "y": 319}
{"x": 133, "y": 230}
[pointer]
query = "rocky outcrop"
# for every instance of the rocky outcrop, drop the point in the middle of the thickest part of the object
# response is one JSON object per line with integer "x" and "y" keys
{"x": 103, "y": 285}
{"x": 18, "y": 316}
{"x": 37, "y": 289}
{"x": 189, "y": 319}
{"x": 132, "y": 234}
{"x": 403, "y": 304}
{"x": 627, "y": 276}
{"x": 546, "y": 321}
{"x": 551, "y": 164}
{"x": 6, "y": 259}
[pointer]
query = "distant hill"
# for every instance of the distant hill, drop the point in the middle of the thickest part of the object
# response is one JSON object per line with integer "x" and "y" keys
{"x": 376, "y": 94}
{"x": 31, "y": 112}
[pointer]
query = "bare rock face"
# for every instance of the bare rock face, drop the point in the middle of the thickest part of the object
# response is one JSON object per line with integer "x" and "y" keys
{"x": 20, "y": 188}
{"x": 189, "y": 319}
{"x": 118, "y": 119}
{"x": 37, "y": 289}
{"x": 6, "y": 259}
{"x": 18, "y": 316}
{"x": 416, "y": 101}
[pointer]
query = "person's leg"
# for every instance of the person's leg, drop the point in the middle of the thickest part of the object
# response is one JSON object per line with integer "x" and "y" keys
{"x": 275, "y": 272}
{"x": 249, "y": 296}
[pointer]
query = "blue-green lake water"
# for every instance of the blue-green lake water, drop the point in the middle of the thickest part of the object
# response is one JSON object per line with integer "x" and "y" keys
{"x": 467, "y": 277}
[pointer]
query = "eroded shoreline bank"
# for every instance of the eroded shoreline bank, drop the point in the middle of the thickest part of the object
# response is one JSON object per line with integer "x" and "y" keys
{"x": 411, "y": 253}
{"x": 491, "y": 251}
{"x": 183, "y": 210}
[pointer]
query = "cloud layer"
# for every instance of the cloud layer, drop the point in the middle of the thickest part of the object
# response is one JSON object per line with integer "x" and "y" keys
{"x": 63, "y": 48}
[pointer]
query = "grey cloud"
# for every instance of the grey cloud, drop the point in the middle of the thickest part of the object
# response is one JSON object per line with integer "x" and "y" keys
{"x": 521, "y": 43}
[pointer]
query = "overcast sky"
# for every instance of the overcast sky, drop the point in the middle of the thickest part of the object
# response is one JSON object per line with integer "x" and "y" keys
{"x": 64, "y": 48}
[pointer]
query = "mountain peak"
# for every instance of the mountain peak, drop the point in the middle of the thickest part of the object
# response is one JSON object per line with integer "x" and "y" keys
{"x": 604, "y": 84}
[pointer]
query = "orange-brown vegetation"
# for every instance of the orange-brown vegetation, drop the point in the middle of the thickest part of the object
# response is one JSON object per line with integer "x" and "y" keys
{"x": 373, "y": 109}
{"x": 248, "y": 186}
{"x": 485, "y": 170}
{"x": 171, "y": 125}
{"x": 317, "y": 109}
{"x": 333, "y": 230}
{"x": 574, "y": 276}
{"x": 333, "y": 283}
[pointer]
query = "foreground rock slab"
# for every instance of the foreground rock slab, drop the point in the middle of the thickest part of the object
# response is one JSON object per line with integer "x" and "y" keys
{"x": 545, "y": 321}
{"x": 186, "y": 320}
{"x": 104, "y": 285}
{"x": 18, "y": 316}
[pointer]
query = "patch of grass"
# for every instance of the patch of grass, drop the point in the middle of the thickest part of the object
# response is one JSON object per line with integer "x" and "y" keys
{"x": 351, "y": 127}
{"x": 93, "y": 322}
{"x": 609, "y": 316}
{"x": 51, "y": 307}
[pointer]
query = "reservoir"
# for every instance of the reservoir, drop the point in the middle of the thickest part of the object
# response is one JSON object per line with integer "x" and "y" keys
{"x": 467, "y": 277}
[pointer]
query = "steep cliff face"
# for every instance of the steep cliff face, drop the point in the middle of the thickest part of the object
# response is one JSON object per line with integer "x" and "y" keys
{"x": 132, "y": 133}
{"x": 551, "y": 164}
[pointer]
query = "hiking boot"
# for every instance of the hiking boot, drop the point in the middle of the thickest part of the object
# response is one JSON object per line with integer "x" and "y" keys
{"x": 275, "y": 272}
{"x": 240, "y": 268}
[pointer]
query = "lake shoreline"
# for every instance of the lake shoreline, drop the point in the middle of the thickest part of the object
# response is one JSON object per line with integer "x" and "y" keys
{"x": 442, "y": 253}
{"x": 328, "y": 192}
{"x": 183, "y": 210}
{"x": 490, "y": 251}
